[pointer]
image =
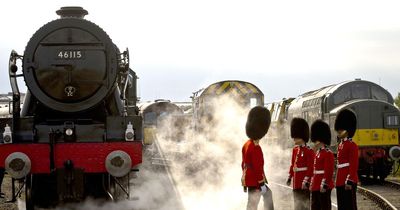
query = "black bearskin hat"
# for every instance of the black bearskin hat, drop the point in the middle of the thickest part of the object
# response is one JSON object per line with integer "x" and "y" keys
{"x": 320, "y": 131}
{"x": 299, "y": 129}
{"x": 346, "y": 120}
{"x": 258, "y": 122}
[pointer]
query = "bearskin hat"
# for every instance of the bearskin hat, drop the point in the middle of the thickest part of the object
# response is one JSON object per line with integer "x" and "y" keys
{"x": 258, "y": 122}
{"x": 299, "y": 129}
{"x": 346, "y": 120}
{"x": 320, "y": 131}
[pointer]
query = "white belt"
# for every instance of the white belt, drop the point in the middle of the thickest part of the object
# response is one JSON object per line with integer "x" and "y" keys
{"x": 300, "y": 169}
{"x": 319, "y": 172}
{"x": 343, "y": 165}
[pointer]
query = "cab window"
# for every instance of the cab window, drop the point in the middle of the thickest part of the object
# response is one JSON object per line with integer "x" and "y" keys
{"x": 360, "y": 91}
{"x": 150, "y": 118}
{"x": 344, "y": 94}
{"x": 378, "y": 94}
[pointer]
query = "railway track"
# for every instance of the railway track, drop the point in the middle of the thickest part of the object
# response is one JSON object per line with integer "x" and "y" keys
{"x": 386, "y": 195}
{"x": 286, "y": 192}
{"x": 280, "y": 191}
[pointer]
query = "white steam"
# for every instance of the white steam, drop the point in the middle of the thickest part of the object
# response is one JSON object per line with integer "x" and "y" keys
{"x": 204, "y": 169}
{"x": 207, "y": 171}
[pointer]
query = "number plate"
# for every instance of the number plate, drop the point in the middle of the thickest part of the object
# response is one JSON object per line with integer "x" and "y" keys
{"x": 70, "y": 54}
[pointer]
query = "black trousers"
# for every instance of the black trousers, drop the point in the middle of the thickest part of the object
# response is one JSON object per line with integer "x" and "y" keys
{"x": 254, "y": 196}
{"x": 346, "y": 199}
{"x": 1, "y": 177}
{"x": 321, "y": 201}
{"x": 301, "y": 199}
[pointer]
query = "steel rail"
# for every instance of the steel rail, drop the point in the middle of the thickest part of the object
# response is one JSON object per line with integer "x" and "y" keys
{"x": 379, "y": 200}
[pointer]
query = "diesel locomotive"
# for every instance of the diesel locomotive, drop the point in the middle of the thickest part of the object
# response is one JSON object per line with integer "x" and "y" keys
{"x": 205, "y": 101}
{"x": 164, "y": 127}
{"x": 79, "y": 132}
{"x": 378, "y": 120}
{"x": 154, "y": 115}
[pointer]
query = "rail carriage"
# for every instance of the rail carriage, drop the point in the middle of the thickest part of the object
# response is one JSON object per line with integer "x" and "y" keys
{"x": 378, "y": 124}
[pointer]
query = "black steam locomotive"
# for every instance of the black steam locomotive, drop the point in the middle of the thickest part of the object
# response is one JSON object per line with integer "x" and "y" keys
{"x": 78, "y": 133}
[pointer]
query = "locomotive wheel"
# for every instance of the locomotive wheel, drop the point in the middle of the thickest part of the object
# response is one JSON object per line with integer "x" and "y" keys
{"x": 29, "y": 193}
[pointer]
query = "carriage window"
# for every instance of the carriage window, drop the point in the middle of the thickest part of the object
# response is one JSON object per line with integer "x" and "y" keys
{"x": 342, "y": 95}
{"x": 305, "y": 115}
{"x": 253, "y": 102}
{"x": 314, "y": 101}
{"x": 360, "y": 91}
{"x": 378, "y": 94}
{"x": 392, "y": 120}
{"x": 150, "y": 118}
{"x": 275, "y": 114}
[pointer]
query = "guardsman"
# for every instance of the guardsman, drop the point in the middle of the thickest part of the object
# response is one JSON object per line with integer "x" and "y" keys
{"x": 322, "y": 180}
{"x": 301, "y": 168}
{"x": 2, "y": 170}
{"x": 253, "y": 178}
{"x": 347, "y": 157}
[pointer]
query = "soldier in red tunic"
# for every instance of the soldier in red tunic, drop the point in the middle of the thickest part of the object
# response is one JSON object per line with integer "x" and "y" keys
{"x": 347, "y": 156}
{"x": 322, "y": 180}
{"x": 301, "y": 168}
{"x": 253, "y": 178}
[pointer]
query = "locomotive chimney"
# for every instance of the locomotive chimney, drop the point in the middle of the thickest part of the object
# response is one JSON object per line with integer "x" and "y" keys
{"x": 77, "y": 12}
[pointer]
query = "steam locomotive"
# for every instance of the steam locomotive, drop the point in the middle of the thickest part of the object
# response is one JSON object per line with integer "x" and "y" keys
{"x": 78, "y": 133}
{"x": 378, "y": 120}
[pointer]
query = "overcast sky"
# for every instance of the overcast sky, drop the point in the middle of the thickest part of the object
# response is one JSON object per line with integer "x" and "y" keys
{"x": 283, "y": 47}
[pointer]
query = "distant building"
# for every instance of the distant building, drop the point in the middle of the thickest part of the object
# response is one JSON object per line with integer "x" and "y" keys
{"x": 5, "y": 102}
{"x": 5, "y": 99}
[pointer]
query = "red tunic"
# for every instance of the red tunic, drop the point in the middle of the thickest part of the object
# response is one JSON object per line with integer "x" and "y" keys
{"x": 302, "y": 165}
{"x": 252, "y": 164}
{"x": 323, "y": 169}
{"x": 347, "y": 157}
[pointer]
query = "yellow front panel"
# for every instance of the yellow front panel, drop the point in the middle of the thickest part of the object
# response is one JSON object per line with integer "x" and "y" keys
{"x": 149, "y": 134}
{"x": 234, "y": 93}
{"x": 374, "y": 137}
{"x": 211, "y": 89}
{"x": 252, "y": 88}
{"x": 223, "y": 87}
{"x": 240, "y": 87}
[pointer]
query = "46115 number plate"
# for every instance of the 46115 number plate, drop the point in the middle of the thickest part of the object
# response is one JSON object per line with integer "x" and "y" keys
{"x": 70, "y": 54}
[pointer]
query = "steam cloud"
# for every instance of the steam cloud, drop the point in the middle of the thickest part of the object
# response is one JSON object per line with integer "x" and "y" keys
{"x": 206, "y": 165}
{"x": 204, "y": 168}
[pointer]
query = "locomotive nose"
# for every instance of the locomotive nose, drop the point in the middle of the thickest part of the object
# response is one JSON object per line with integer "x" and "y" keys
{"x": 118, "y": 163}
{"x": 18, "y": 165}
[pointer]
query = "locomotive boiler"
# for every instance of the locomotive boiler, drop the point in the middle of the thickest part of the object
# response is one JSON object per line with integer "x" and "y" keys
{"x": 78, "y": 133}
{"x": 377, "y": 134}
